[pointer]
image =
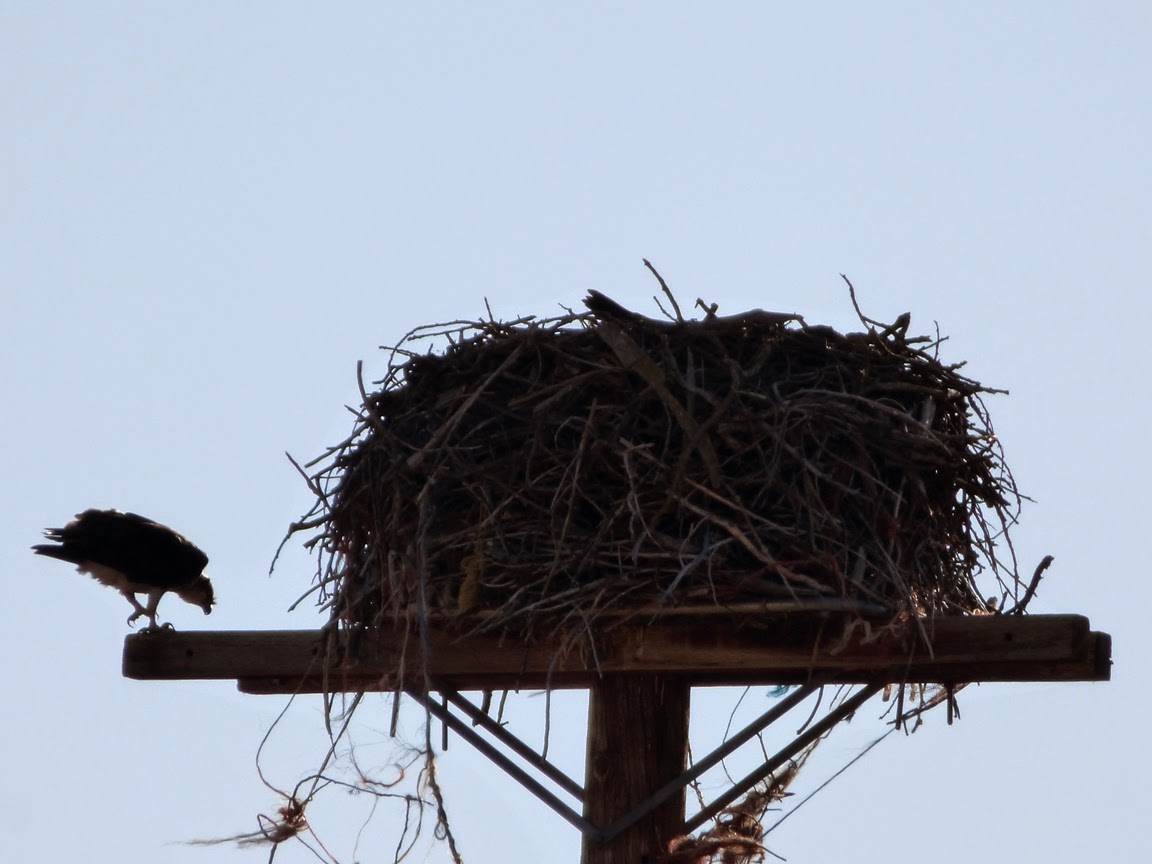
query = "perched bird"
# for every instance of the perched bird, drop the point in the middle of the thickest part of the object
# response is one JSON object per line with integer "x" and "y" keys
{"x": 134, "y": 555}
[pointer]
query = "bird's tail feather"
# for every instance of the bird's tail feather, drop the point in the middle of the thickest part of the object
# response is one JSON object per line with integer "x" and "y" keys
{"x": 63, "y": 553}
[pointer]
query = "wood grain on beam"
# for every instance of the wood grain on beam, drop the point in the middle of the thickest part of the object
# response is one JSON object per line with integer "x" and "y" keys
{"x": 774, "y": 650}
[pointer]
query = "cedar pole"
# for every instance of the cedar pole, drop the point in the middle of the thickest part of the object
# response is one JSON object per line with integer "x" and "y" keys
{"x": 637, "y": 742}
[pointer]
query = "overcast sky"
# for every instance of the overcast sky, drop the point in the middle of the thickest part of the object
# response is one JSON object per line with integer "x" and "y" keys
{"x": 210, "y": 212}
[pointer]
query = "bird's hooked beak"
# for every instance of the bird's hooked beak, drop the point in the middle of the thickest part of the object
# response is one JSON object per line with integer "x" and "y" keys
{"x": 199, "y": 593}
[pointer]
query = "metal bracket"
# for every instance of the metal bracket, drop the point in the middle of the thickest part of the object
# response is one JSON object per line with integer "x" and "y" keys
{"x": 465, "y": 731}
{"x": 478, "y": 718}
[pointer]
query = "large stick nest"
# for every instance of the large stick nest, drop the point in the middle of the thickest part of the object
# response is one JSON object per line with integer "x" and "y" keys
{"x": 603, "y": 460}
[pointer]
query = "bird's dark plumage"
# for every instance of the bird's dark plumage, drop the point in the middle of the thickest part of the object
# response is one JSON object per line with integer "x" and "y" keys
{"x": 135, "y": 555}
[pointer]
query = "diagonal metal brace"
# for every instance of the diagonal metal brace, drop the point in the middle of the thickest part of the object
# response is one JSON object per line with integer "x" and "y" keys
{"x": 517, "y": 773}
{"x": 815, "y": 731}
{"x": 469, "y": 734}
{"x": 528, "y": 754}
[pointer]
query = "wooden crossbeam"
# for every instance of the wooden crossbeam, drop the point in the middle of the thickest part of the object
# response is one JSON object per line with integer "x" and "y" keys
{"x": 702, "y": 650}
{"x": 640, "y": 672}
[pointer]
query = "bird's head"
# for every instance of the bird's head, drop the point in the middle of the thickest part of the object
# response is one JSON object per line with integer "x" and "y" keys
{"x": 198, "y": 592}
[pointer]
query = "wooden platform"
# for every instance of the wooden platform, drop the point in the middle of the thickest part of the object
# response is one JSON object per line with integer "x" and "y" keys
{"x": 703, "y": 650}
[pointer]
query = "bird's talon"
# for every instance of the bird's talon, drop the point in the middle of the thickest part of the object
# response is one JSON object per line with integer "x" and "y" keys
{"x": 153, "y": 629}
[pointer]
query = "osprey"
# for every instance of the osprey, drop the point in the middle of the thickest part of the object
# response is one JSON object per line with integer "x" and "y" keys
{"x": 134, "y": 555}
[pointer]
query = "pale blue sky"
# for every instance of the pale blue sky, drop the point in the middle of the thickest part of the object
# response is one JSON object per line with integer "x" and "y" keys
{"x": 209, "y": 212}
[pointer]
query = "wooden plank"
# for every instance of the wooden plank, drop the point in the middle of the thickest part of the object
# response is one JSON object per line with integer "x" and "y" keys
{"x": 773, "y": 650}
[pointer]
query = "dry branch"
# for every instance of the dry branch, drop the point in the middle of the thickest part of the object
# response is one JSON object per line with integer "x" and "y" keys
{"x": 548, "y": 470}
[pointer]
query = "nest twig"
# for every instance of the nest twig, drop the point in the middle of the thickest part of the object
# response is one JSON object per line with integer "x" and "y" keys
{"x": 604, "y": 460}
